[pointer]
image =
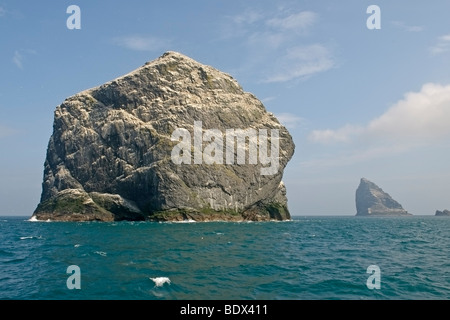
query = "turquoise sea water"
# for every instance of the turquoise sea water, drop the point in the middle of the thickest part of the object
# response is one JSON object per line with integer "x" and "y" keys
{"x": 315, "y": 258}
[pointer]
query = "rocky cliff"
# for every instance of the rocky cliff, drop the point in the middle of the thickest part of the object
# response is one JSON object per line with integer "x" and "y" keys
{"x": 371, "y": 200}
{"x": 162, "y": 143}
{"x": 445, "y": 213}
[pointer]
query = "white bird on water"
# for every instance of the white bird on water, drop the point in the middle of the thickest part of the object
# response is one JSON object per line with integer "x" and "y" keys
{"x": 159, "y": 281}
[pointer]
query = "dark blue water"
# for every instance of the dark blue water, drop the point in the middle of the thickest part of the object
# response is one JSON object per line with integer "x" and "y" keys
{"x": 308, "y": 258}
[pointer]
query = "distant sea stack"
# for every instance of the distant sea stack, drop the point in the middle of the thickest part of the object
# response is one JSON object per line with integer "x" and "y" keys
{"x": 371, "y": 200}
{"x": 445, "y": 213}
{"x": 111, "y": 154}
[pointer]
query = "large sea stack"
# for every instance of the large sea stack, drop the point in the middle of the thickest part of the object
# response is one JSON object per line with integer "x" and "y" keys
{"x": 110, "y": 155}
{"x": 371, "y": 200}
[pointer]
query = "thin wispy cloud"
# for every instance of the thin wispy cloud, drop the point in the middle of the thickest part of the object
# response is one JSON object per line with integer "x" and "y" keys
{"x": 267, "y": 41}
{"x": 20, "y": 56}
{"x": 290, "y": 120}
{"x": 298, "y": 22}
{"x": 240, "y": 25}
{"x": 272, "y": 43}
{"x": 329, "y": 136}
{"x": 269, "y": 28}
{"x": 353, "y": 157}
{"x": 141, "y": 43}
{"x": 18, "y": 59}
{"x": 301, "y": 62}
{"x": 268, "y": 99}
{"x": 5, "y": 131}
{"x": 442, "y": 45}
{"x": 408, "y": 28}
{"x": 247, "y": 17}
{"x": 2, "y": 12}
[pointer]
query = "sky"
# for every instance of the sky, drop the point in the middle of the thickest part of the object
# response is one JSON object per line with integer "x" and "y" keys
{"x": 363, "y": 93}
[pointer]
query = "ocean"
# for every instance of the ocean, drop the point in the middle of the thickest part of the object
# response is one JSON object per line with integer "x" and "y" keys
{"x": 308, "y": 258}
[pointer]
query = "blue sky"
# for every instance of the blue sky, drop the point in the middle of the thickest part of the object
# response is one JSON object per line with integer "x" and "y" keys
{"x": 358, "y": 102}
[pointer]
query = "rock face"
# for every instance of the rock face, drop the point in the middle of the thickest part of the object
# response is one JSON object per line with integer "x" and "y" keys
{"x": 371, "y": 200}
{"x": 111, "y": 154}
{"x": 445, "y": 213}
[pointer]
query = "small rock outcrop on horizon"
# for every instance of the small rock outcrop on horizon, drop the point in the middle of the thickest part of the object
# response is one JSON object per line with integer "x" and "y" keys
{"x": 445, "y": 213}
{"x": 371, "y": 200}
{"x": 110, "y": 156}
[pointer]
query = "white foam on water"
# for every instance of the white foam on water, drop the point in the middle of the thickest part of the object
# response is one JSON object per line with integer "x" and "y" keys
{"x": 159, "y": 281}
{"x": 31, "y": 237}
{"x": 101, "y": 253}
{"x": 34, "y": 219}
{"x": 77, "y": 245}
{"x": 185, "y": 221}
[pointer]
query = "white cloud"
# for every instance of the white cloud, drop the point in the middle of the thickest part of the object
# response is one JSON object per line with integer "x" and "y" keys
{"x": 442, "y": 45}
{"x": 142, "y": 43}
{"x": 298, "y": 22}
{"x": 406, "y": 27}
{"x": 301, "y": 62}
{"x": 18, "y": 59}
{"x": 423, "y": 115}
{"x": 418, "y": 122}
{"x": 289, "y": 120}
{"x": 420, "y": 118}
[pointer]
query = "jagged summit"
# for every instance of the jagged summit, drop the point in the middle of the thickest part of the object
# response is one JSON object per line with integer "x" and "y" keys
{"x": 172, "y": 55}
{"x": 371, "y": 200}
{"x": 110, "y": 154}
